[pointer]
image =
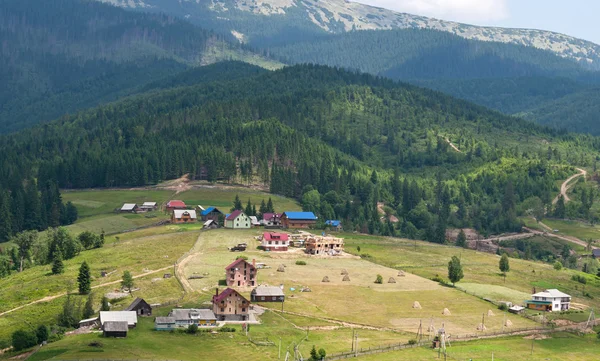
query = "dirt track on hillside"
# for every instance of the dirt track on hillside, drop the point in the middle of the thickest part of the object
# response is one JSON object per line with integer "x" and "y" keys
{"x": 564, "y": 188}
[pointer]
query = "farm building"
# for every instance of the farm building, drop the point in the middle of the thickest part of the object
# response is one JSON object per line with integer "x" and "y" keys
{"x": 173, "y": 205}
{"x": 237, "y": 220}
{"x": 210, "y": 213}
{"x": 115, "y": 329}
{"x": 148, "y": 206}
{"x": 88, "y": 322}
{"x": 254, "y": 221}
{"x": 129, "y": 208}
{"x": 275, "y": 242}
{"x": 241, "y": 273}
{"x": 271, "y": 220}
{"x": 183, "y": 216}
{"x": 319, "y": 245}
{"x": 109, "y": 316}
{"x": 141, "y": 307}
{"x": 164, "y": 323}
{"x": 230, "y": 306}
{"x": 210, "y": 224}
{"x": 596, "y": 253}
{"x": 267, "y": 294}
{"x": 550, "y": 300}
{"x": 298, "y": 219}
{"x": 336, "y": 225}
{"x": 183, "y": 317}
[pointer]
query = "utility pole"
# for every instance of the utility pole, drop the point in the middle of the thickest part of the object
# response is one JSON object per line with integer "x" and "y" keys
{"x": 279, "y": 357}
{"x": 356, "y": 344}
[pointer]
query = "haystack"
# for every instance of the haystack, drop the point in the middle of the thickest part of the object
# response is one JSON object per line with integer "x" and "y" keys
{"x": 344, "y": 272}
{"x": 305, "y": 289}
{"x": 401, "y": 273}
{"x": 490, "y": 313}
{"x": 417, "y": 305}
{"x": 481, "y": 327}
{"x": 446, "y": 312}
{"x": 281, "y": 268}
{"x": 325, "y": 279}
{"x": 346, "y": 278}
{"x": 392, "y": 280}
{"x": 508, "y": 323}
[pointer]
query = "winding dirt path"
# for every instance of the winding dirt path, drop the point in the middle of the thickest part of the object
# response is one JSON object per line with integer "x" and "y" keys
{"x": 50, "y": 298}
{"x": 564, "y": 188}
{"x": 453, "y": 146}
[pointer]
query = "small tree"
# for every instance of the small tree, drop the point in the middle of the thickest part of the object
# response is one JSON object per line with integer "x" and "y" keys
{"x": 69, "y": 316}
{"x": 322, "y": 353}
{"x": 455, "y": 271}
{"x": 192, "y": 329}
{"x": 379, "y": 279}
{"x": 313, "y": 353}
{"x": 42, "y": 334}
{"x": 558, "y": 265}
{"x": 127, "y": 281}
{"x": 461, "y": 240}
{"x": 25, "y": 241}
{"x": 84, "y": 279}
{"x": 105, "y": 306}
{"x": 88, "y": 309}
{"x": 358, "y": 249}
{"x": 504, "y": 265}
{"x": 57, "y": 264}
{"x": 23, "y": 339}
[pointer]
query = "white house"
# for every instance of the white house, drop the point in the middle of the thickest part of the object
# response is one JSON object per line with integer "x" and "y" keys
{"x": 237, "y": 220}
{"x": 550, "y": 300}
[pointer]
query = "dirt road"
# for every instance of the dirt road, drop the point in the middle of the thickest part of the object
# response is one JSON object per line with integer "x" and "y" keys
{"x": 564, "y": 188}
{"x": 50, "y": 298}
{"x": 453, "y": 146}
{"x": 550, "y": 233}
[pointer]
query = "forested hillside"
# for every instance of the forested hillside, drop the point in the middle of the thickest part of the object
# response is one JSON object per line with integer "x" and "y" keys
{"x": 337, "y": 141}
{"x": 60, "y": 56}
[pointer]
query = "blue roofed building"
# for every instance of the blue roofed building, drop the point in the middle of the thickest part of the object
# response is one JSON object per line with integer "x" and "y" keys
{"x": 210, "y": 214}
{"x": 334, "y": 224}
{"x": 298, "y": 219}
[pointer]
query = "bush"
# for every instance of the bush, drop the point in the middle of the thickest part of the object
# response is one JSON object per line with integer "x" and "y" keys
{"x": 97, "y": 344}
{"x": 365, "y": 256}
{"x": 301, "y": 263}
{"x": 412, "y": 342}
{"x": 558, "y": 265}
{"x": 579, "y": 278}
{"x": 23, "y": 339}
{"x": 503, "y": 307}
{"x": 379, "y": 279}
{"x": 192, "y": 329}
{"x": 42, "y": 334}
{"x": 226, "y": 329}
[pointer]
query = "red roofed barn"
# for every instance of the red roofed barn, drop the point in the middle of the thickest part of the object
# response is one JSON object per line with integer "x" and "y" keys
{"x": 173, "y": 205}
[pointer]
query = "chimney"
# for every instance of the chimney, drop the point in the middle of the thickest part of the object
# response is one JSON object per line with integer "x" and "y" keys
{"x": 217, "y": 291}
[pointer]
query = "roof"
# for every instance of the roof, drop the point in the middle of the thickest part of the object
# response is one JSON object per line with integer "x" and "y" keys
{"x": 254, "y": 220}
{"x": 269, "y": 216}
{"x": 128, "y": 207}
{"x": 596, "y": 252}
{"x": 238, "y": 261}
{"x": 267, "y": 291}
{"x": 223, "y": 295}
{"x": 234, "y": 215}
{"x": 178, "y": 213}
{"x": 136, "y": 303}
{"x": 115, "y": 326}
{"x": 176, "y": 204}
{"x": 164, "y": 320}
{"x": 333, "y": 223}
{"x": 184, "y": 314}
{"x": 552, "y": 293}
{"x": 108, "y": 316}
{"x": 209, "y": 222}
{"x": 209, "y": 210}
{"x": 149, "y": 204}
{"x": 269, "y": 236}
{"x": 305, "y": 216}
{"x": 87, "y": 320}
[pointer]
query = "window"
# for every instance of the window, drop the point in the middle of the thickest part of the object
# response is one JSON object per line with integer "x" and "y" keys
{"x": 222, "y": 309}
{"x": 262, "y": 298}
{"x": 243, "y": 310}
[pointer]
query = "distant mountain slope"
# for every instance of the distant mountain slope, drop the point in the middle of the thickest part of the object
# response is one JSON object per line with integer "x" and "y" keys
{"x": 60, "y": 56}
{"x": 261, "y": 22}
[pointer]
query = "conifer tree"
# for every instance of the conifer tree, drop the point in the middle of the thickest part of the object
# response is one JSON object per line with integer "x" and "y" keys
{"x": 6, "y": 229}
{"x": 57, "y": 263}
{"x": 237, "y": 204}
{"x": 88, "y": 309}
{"x": 270, "y": 208}
{"x": 461, "y": 240}
{"x": 248, "y": 209}
{"x": 84, "y": 279}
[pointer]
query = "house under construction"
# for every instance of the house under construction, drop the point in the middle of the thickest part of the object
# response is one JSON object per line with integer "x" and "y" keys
{"x": 325, "y": 246}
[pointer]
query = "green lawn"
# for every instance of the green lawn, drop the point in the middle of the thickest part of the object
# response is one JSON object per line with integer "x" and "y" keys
{"x": 574, "y": 228}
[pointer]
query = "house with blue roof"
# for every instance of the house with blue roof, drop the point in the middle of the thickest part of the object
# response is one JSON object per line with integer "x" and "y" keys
{"x": 298, "y": 219}
{"x": 337, "y": 225}
{"x": 210, "y": 214}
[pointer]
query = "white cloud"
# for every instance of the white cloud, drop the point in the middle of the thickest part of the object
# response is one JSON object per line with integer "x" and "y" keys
{"x": 475, "y": 11}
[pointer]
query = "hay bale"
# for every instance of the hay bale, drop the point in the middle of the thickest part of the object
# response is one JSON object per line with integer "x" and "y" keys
{"x": 508, "y": 323}
{"x": 490, "y": 313}
{"x": 392, "y": 280}
{"x": 325, "y": 279}
{"x": 481, "y": 327}
{"x": 401, "y": 273}
{"x": 305, "y": 289}
{"x": 346, "y": 278}
{"x": 417, "y": 305}
{"x": 446, "y": 312}
{"x": 281, "y": 268}
{"x": 344, "y": 272}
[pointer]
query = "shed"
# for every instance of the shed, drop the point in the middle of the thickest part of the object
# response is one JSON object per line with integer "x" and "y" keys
{"x": 596, "y": 252}
{"x": 267, "y": 294}
{"x": 115, "y": 329}
{"x": 88, "y": 322}
{"x": 210, "y": 213}
{"x": 334, "y": 224}
{"x": 148, "y": 206}
{"x": 210, "y": 224}
{"x": 129, "y": 316}
{"x": 164, "y": 323}
{"x": 129, "y": 208}
{"x": 141, "y": 307}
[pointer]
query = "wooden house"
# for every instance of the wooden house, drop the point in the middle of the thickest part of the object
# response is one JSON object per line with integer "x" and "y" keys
{"x": 230, "y": 306}
{"x": 237, "y": 220}
{"x": 173, "y": 205}
{"x": 115, "y": 329}
{"x": 141, "y": 307}
{"x": 210, "y": 224}
{"x": 298, "y": 219}
{"x": 275, "y": 242}
{"x": 271, "y": 220}
{"x": 129, "y": 208}
{"x": 267, "y": 294}
{"x": 211, "y": 213}
{"x": 184, "y": 317}
{"x": 324, "y": 246}
{"x": 183, "y": 216}
{"x": 335, "y": 225}
{"x": 119, "y": 316}
{"x": 241, "y": 273}
{"x": 148, "y": 206}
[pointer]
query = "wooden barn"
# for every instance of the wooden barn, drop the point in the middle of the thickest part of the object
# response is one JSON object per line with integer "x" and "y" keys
{"x": 298, "y": 220}
{"x": 183, "y": 216}
{"x": 267, "y": 294}
{"x": 141, "y": 307}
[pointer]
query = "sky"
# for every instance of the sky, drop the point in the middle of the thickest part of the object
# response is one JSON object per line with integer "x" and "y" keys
{"x": 577, "y": 18}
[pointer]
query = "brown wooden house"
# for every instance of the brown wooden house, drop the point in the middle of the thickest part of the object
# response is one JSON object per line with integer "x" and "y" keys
{"x": 267, "y": 294}
{"x": 141, "y": 307}
{"x": 183, "y": 216}
{"x": 298, "y": 220}
{"x": 230, "y": 306}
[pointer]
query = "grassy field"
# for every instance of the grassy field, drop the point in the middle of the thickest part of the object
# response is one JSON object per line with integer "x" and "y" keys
{"x": 573, "y": 228}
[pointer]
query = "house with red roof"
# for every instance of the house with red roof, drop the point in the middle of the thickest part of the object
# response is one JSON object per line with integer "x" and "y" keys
{"x": 237, "y": 220}
{"x": 275, "y": 242}
{"x": 230, "y": 305}
{"x": 173, "y": 205}
{"x": 271, "y": 220}
{"x": 241, "y": 273}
